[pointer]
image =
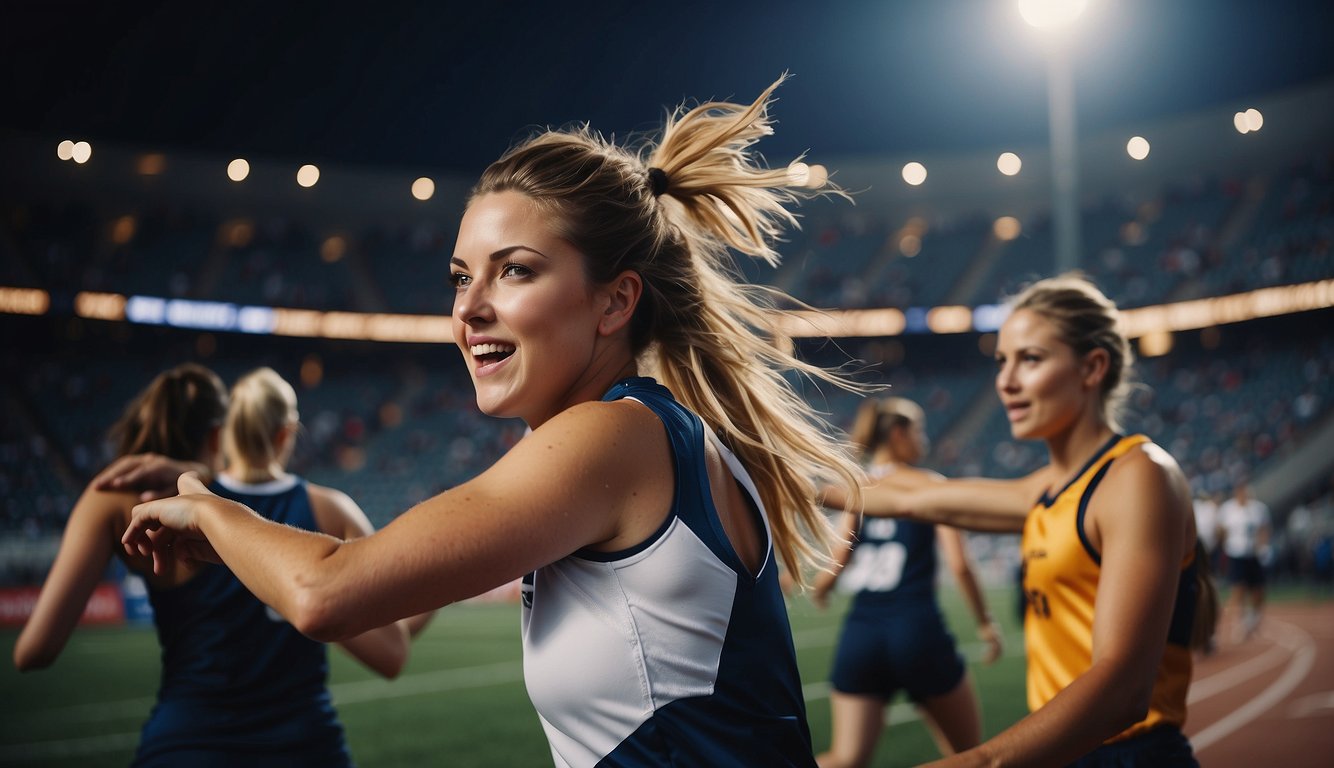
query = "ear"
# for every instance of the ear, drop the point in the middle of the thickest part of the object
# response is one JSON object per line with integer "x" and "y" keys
{"x": 1095, "y": 367}
{"x": 621, "y": 295}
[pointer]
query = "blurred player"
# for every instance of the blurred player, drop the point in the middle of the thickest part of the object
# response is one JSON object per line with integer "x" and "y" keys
{"x": 1246, "y": 529}
{"x": 239, "y": 685}
{"x": 894, "y": 637}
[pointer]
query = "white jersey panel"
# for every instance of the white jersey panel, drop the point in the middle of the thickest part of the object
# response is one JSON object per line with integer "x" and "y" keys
{"x": 623, "y": 638}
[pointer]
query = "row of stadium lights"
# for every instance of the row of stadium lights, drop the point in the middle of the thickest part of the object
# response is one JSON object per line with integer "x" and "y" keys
{"x": 801, "y": 174}
{"x": 1009, "y": 163}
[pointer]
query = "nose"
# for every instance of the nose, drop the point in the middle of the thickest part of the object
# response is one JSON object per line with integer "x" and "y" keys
{"x": 472, "y": 304}
{"x": 1005, "y": 378}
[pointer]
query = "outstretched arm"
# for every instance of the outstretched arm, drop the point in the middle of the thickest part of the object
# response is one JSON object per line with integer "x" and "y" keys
{"x": 998, "y": 506}
{"x": 85, "y": 550}
{"x": 1138, "y": 524}
{"x": 573, "y": 483}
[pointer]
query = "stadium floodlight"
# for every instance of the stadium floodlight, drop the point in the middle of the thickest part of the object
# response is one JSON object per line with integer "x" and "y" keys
{"x": 307, "y": 175}
{"x": 914, "y": 173}
{"x": 1055, "y": 17}
{"x": 1051, "y": 14}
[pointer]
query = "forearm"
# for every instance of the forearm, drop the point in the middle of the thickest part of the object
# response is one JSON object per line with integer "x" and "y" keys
{"x": 290, "y": 569}
{"x": 978, "y": 505}
{"x": 384, "y": 650}
{"x": 1076, "y": 721}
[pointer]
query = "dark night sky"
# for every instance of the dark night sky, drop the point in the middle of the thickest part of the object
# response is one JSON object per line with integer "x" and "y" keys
{"x": 433, "y": 85}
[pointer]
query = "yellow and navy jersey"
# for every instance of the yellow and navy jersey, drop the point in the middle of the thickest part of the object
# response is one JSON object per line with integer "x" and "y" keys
{"x": 1060, "y": 577}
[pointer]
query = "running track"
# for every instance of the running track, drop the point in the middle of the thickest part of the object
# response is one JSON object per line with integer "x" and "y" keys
{"x": 1268, "y": 702}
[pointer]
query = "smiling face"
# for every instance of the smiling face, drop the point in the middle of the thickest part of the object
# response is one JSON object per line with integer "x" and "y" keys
{"x": 526, "y": 316}
{"x": 1039, "y": 378}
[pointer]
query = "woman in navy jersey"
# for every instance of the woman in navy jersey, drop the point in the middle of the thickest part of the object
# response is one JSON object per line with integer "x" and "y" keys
{"x": 894, "y": 637}
{"x": 670, "y": 465}
{"x": 1114, "y": 597}
{"x": 239, "y": 685}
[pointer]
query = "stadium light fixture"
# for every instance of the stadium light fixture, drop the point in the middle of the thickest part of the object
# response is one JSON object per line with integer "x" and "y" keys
{"x": 1056, "y": 17}
{"x": 307, "y": 175}
{"x": 238, "y": 169}
{"x": 1009, "y": 163}
{"x": 914, "y": 173}
{"x": 82, "y": 152}
{"x": 65, "y": 150}
{"x": 1137, "y": 147}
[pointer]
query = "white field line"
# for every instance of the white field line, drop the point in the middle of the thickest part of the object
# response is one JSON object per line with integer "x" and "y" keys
{"x": 1303, "y": 650}
{"x": 1224, "y": 679}
{"x": 361, "y": 692}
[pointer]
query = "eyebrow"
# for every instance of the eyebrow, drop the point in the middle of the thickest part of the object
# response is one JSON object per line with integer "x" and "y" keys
{"x": 501, "y": 254}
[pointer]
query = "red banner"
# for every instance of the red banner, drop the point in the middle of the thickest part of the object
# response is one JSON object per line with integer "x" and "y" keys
{"x": 105, "y": 606}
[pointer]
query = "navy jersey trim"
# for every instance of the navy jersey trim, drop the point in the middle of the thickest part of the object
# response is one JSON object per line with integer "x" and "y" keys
{"x": 1047, "y": 499}
{"x": 1083, "y": 508}
{"x": 1187, "y": 602}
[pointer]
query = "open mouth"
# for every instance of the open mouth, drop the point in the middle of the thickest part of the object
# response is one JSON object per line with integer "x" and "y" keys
{"x": 490, "y": 354}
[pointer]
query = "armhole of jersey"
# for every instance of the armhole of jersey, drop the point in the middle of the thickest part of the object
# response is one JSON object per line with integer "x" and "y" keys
{"x": 596, "y": 556}
{"x": 755, "y": 504}
{"x": 1083, "y": 508}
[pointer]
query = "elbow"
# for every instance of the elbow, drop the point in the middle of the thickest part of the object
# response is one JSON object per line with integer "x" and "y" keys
{"x": 29, "y": 659}
{"x": 395, "y": 666}
{"x": 316, "y": 615}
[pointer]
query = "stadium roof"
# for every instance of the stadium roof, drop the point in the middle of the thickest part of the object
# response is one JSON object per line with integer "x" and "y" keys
{"x": 447, "y": 86}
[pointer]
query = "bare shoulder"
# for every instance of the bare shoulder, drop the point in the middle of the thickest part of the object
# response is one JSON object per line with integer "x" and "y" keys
{"x": 619, "y": 431}
{"x": 1148, "y": 464}
{"x": 1150, "y": 479}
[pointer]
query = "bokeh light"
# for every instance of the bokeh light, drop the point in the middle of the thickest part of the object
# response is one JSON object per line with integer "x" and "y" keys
{"x": 914, "y": 173}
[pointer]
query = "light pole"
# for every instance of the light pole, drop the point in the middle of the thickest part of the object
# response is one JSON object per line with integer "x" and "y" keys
{"x": 1054, "y": 18}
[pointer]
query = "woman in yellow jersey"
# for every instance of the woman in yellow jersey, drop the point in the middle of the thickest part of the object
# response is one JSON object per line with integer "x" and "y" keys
{"x": 1108, "y": 547}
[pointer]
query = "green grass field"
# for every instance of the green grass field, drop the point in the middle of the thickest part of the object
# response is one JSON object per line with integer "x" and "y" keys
{"x": 460, "y": 701}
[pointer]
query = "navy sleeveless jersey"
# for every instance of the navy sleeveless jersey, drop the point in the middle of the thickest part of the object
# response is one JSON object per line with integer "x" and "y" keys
{"x": 669, "y": 653}
{"x": 240, "y": 686}
{"x": 892, "y": 560}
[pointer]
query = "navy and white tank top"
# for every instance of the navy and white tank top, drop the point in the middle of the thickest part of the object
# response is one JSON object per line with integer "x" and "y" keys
{"x": 670, "y": 653}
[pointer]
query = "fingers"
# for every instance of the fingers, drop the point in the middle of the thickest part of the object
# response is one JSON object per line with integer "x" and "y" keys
{"x": 113, "y": 476}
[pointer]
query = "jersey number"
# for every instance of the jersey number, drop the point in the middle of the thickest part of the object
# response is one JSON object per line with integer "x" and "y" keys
{"x": 875, "y": 567}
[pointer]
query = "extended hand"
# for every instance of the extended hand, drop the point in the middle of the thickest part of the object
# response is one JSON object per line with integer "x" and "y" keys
{"x": 168, "y": 529}
{"x": 154, "y": 475}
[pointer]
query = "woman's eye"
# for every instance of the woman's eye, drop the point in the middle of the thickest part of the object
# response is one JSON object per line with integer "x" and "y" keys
{"x": 515, "y": 270}
{"x": 459, "y": 280}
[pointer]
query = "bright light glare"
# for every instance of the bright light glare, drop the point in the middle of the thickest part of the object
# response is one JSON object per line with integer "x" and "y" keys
{"x": 238, "y": 169}
{"x": 914, "y": 173}
{"x": 1006, "y": 228}
{"x": 307, "y": 175}
{"x": 1009, "y": 163}
{"x": 1051, "y": 14}
{"x": 1254, "y": 119}
{"x": 423, "y": 188}
{"x": 81, "y": 152}
{"x": 910, "y": 245}
{"x": 1240, "y": 123}
{"x": 1137, "y": 147}
{"x": 65, "y": 150}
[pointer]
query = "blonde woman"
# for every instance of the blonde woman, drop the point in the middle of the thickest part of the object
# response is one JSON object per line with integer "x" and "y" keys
{"x": 894, "y": 637}
{"x": 669, "y": 468}
{"x": 1115, "y": 597}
